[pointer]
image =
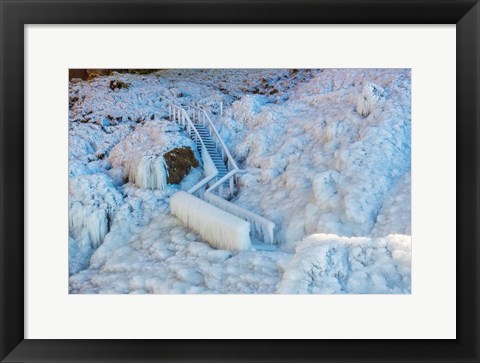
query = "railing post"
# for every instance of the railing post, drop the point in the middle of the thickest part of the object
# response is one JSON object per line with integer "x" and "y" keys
{"x": 231, "y": 186}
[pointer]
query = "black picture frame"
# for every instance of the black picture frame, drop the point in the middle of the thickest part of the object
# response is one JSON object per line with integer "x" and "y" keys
{"x": 17, "y": 13}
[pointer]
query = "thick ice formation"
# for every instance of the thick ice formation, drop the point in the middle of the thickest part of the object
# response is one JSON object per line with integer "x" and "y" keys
{"x": 261, "y": 227}
{"x": 369, "y": 98}
{"x": 90, "y": 144}
{"x": 140, "y": 154}
{"x": 314, "y": 164}
{"x": 329, "y": 264}
{"x": 93, "y": 201}
{"x": 395, "y": 215}
{"x": 217, "y": 227}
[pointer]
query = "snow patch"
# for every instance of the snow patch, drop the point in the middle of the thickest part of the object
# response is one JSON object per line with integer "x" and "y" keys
{"x": 247, "y": 108}
{"x": 329, "y": 264}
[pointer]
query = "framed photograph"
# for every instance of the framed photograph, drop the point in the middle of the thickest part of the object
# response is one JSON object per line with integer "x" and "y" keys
{"x": 239, "y": 181}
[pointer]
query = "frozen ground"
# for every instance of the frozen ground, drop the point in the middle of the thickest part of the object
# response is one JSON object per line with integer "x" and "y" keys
{"x": 327, "y": 154}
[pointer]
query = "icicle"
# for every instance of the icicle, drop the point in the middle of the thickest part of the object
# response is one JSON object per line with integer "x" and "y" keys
{"x": 149, "y": 173}
{"x": 262, "y": 227}
{"x": 219, "y": 228}
{"x": 368, "y": 99}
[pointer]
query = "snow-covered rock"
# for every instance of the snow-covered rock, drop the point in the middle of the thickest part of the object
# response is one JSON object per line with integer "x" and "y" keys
{"x": 141, "y": 153}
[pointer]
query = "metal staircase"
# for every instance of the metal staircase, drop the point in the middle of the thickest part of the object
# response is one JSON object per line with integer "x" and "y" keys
{"x": 220, "y": 172}
{"x": 211, "y": 149}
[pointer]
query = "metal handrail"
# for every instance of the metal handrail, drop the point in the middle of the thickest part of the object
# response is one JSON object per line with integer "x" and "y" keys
{"x": 175, "y": 116}
{"x": 262, "y": 226}
{"x": 231, "y": 160}
{"x": 208, "y": 177}
{"x": 222, "y": 180}
{"x": 186, "y": 118}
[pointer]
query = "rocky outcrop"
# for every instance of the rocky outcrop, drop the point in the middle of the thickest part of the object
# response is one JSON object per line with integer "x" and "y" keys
{"x": 86, "y": 74}
{"x": 179, "y": 163}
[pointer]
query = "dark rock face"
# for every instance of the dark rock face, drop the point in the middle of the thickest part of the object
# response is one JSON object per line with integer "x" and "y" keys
{"x": 179, "y": 162}
{"x": 114, "y": 84}
{"x": 77, "y": 73}
{"x": 86, "y": 74}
